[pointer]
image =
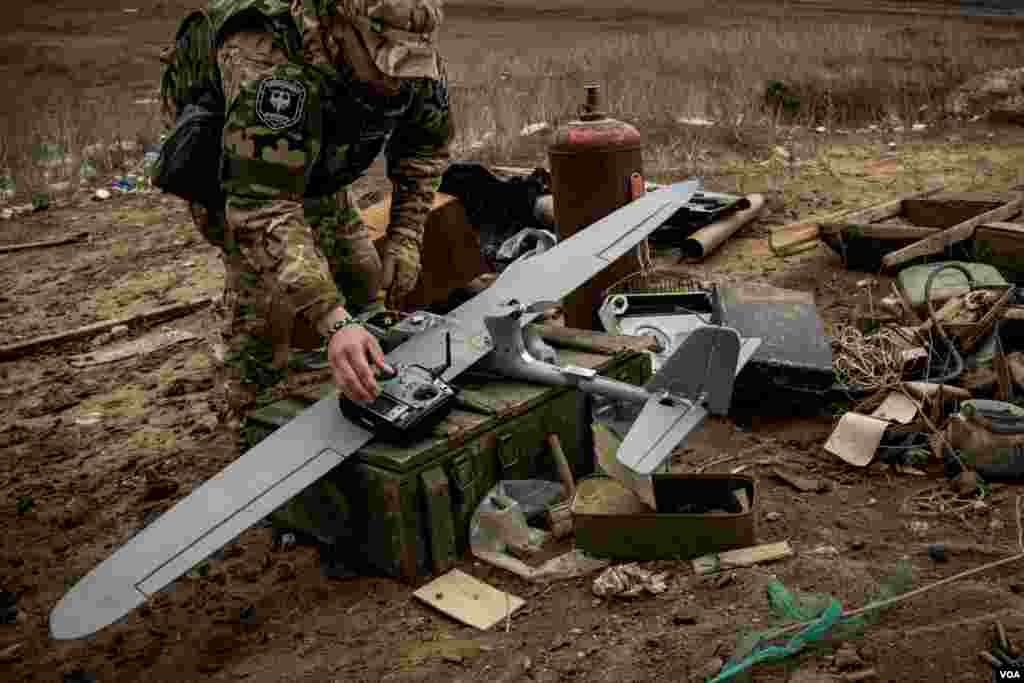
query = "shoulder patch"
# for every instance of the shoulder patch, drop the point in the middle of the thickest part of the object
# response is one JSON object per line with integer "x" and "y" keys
{"x": 280, "y": 102}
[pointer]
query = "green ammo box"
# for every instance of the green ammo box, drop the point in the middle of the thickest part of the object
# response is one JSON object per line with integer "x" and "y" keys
{"x": 411, "y": 507}
{"x": 610, "y": 521}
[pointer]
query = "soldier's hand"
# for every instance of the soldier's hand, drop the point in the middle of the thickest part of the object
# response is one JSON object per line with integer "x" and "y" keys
{"x": 400, "y": 270}
{"x": 355, "y": 356}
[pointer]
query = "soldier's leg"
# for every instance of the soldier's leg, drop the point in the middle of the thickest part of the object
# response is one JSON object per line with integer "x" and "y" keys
{"x": 344, "y": 240}
{"x": 261, "y": 332}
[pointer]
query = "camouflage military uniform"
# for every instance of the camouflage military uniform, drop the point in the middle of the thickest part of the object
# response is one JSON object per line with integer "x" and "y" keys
{"x": 301, "y": 124}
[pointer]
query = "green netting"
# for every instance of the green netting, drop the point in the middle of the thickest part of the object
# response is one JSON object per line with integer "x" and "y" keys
{"x": 821, "y": 619}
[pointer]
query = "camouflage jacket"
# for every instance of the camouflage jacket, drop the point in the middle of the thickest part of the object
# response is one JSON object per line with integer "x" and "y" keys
{"x": 412, "y": 128}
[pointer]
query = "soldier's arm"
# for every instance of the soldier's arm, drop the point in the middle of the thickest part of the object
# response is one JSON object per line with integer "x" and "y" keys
{"x": 270, "y": 139}
{"x": 417, "y": 156}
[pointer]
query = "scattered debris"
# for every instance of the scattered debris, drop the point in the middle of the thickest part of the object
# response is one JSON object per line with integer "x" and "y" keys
{"x": 247, "y": 616}
{"x": 743, "y": 557}
{"x": 469, "y": 600}
{"x": 937, "y": 552}
{"x": 8, "y": 607}
{"x": 698, "y": 121}
{"x": 846, "y": 657}
{"x": 711, "y": 668}
{"x": 800, "y": 483}
{"x": 560, "y": 520}
{"x": 12, "y": 653}
{"x": 101, "y": 195}
{"x": 80, "y": 676}
{"x": 723, "y": 580}
{"x": 24, "y": 503}
{"x": 629, "y": 580}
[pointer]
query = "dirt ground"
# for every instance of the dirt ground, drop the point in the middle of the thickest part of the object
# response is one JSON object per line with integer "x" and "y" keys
{"x": 89, "y": 454}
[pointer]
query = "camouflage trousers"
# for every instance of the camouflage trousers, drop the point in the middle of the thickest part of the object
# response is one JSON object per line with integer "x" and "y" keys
{"x": 244, "y": 344}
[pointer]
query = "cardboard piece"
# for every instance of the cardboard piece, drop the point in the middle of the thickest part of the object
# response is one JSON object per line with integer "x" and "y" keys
{"x": 469, "y": 600}
{"x": 856, "y": 438}
{"x": 896, "y": 407}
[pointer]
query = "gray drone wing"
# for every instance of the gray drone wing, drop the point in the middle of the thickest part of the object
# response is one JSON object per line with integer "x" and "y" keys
{"x": 319, "y": 439}
{"x": 548, "y": 276}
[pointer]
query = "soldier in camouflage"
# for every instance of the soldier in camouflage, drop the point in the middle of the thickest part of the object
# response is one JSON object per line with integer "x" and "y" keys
{"x": 314, "y": 91}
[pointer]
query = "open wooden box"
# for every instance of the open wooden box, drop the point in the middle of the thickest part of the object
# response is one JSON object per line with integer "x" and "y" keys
{"x": 902, "y": 232}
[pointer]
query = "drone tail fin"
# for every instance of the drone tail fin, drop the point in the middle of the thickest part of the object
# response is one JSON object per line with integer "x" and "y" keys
{"x": 696, "y": 380}
{"x": 703, "y": 368}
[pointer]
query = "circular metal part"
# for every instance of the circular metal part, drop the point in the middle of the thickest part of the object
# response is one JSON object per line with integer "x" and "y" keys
{"x": 620, "y": 304}
{"x": 662, "y": 342}
{"x": 424, "y": 392}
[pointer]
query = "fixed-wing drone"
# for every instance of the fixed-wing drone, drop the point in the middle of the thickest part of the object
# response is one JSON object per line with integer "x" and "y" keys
{"x": 488, "y": 329}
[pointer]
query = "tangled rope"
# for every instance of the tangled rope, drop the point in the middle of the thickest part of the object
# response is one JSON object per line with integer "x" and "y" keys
{"x": 871, "y": 361}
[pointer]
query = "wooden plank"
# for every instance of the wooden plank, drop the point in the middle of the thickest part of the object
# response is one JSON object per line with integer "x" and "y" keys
{"x": 469, "y": 600}
{"x": 742, "y": 557}
{"x": 959, "y": 232}
{"x": 878, "y": 231}
{"x": 9, "y": 248}
{"x": 564, "y": 471}
{"x": 794, "y": 237}
{"x": 1013, "y": 313}
{"x": 19, "y": 349}
{"x": 594, "y": 342}
{"x": 1003, "y": 226}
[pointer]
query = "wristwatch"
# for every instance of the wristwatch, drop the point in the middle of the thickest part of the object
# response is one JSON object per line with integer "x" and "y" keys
{"x": 339, "y": 324}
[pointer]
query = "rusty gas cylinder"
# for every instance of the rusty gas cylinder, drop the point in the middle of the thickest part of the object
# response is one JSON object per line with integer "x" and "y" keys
{"x": 596, "y": 168}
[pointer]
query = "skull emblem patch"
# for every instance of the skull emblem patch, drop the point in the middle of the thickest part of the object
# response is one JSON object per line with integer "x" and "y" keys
{"x": 280, "y": 102}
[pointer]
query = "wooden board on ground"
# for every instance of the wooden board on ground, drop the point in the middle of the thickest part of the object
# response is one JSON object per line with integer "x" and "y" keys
{"x": 142, "y": 346}
{"x": 879, "y": 231}
{"x": 793, "y": 238}
{"x": 469, "y": 600}
{"x": 741, "y": 557}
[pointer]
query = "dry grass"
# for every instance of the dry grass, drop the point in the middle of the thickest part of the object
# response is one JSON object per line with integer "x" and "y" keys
{"x": 821, "y": 68}
{"x": 827, "y": 72}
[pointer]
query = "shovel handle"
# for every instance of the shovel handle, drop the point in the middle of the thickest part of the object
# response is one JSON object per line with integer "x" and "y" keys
{"x": 564, "y": 473}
